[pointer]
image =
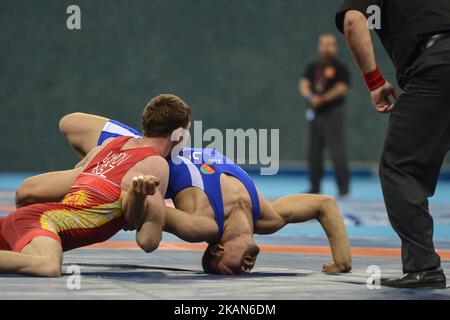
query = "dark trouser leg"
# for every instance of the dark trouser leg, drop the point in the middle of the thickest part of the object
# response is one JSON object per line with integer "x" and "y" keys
{"x": 417, "y": 141}
{"x": 315, "y": 156}
{"x": 335, "y": 140}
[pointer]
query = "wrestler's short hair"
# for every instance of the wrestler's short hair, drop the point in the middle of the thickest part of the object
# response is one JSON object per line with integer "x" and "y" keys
{"x": 209, "y": 262}
{"x": 164, "y": 114}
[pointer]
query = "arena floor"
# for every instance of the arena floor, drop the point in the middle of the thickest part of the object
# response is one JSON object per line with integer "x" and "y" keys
{"x": 288, "y": 267}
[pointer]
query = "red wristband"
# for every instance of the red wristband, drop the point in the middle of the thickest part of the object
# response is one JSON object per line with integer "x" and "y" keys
{"x": 374, "y": 79}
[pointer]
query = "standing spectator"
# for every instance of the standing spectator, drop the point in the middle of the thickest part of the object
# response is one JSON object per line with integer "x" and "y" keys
{"x": 325, "y": 84}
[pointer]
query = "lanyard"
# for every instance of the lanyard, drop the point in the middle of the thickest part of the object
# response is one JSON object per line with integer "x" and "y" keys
{"x": 319, "y": 79}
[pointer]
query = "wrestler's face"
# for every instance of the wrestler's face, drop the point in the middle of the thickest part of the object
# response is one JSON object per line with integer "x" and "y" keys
{"x": 328, "y": 47}
{"x": 236, "y": 256}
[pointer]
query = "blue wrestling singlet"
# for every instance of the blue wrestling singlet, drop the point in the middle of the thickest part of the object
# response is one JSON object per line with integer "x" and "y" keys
{"x": 199, "y": 168}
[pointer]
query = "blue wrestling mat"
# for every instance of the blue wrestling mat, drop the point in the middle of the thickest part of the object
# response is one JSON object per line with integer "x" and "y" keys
{"x": 125, "y": 273}
{"x": 364, "y": 211}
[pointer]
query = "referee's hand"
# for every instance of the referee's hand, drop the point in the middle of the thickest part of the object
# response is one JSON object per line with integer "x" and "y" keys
{"x": 383, "y": 98}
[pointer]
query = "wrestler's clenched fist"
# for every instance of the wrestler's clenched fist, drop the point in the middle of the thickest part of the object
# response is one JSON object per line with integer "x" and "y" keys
{"x": 145, "y": 185}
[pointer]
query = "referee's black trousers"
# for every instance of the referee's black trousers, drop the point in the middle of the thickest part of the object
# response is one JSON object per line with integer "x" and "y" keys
{"x": 417, "y": 141}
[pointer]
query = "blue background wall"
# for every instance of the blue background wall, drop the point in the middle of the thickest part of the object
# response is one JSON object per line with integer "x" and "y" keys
{"x": 236, "y": 62}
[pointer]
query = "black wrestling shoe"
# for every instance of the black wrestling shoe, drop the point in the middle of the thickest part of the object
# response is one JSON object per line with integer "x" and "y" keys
{"x": 434, "y": 279}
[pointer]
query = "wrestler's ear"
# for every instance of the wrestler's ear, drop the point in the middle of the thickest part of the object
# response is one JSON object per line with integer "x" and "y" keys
{"x": 216, "y": 250}
{"x": 180, "y": 135}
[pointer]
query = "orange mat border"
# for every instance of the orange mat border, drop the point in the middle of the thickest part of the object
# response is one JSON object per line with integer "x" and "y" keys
{"x": 314, "y": 250}
{"x": 276, "y": 249}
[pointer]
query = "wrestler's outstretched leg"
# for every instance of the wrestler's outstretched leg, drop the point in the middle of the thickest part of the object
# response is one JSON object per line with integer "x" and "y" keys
{"x": 41, "y": 257}
{"x": 82, "y": 131}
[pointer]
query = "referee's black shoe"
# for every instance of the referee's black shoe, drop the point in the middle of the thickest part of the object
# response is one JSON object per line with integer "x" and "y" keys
{"x": 424, "y": 279}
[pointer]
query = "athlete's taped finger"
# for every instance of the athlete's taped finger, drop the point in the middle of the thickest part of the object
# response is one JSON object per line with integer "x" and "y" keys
{"x": 139, "y": 181}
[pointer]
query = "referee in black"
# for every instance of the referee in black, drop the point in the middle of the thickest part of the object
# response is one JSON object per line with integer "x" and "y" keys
{"x": 416, "y": 35}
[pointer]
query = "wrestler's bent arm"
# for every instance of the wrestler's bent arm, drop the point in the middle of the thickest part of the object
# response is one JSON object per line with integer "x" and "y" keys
{"x": 189, "y": 227}
{"x": 149, "y": 235}
{"x": 134, "y": 201}
{"x": 143, "y": 188}
{"x": 301, "y": 208}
